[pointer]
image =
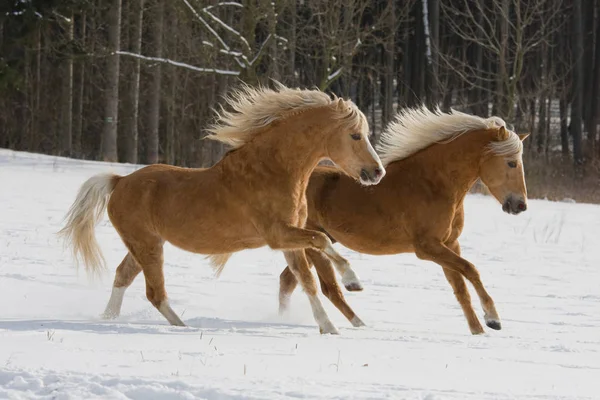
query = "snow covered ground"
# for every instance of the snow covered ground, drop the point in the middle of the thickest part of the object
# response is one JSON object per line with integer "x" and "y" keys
{"x": 541, "y": 267}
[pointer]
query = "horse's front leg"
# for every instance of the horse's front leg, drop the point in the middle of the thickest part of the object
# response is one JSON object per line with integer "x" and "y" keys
{"x": 299, "y": 266}
{"x": 289, "y": 237}
{"x": 436, "y": 251}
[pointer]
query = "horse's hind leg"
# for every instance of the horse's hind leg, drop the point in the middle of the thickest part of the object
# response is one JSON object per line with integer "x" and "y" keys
{"x": 330, "y": 287}
{"x": 150, "y": 258}
{"x": 126, "y": 273}
{"x": 300, "y": 268}
{"x": 287, "y": 284}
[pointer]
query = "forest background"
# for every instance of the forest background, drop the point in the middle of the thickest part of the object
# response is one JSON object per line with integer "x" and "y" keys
{"x": 137, "y": 81}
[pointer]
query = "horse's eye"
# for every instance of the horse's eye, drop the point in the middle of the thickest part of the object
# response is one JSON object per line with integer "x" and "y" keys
{"x": 512, "y": 164}
{"x": 356, "y": 136}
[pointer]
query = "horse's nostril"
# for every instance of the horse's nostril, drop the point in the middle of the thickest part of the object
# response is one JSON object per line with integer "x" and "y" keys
{"x": 364, "y": 175}
{"x": 377, "y": 172}
{"x": 522, "y": 206}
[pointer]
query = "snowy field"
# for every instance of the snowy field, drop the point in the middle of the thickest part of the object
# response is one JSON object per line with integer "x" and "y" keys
{"x": 542, "y": 268}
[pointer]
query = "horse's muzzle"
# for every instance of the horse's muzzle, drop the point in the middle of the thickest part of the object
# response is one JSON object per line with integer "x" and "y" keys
{"x": 371, "y": 176}
{"x": 514, "y": 206}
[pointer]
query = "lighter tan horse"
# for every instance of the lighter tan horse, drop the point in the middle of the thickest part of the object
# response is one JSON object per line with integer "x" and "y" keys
{"x": 432, "y": 160}
{"x": 255, "y": 196}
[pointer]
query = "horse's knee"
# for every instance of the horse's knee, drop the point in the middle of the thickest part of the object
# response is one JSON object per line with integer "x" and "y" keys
{"x": 287, "y": 277}
{"x": 126, "y": 272}
{"x": 325, "y": 289}
{"x": 321, "y": 241}
{"x": 287, "y": 282}
{"x": 426, "y": 251}
{"x": 155, "y": 295}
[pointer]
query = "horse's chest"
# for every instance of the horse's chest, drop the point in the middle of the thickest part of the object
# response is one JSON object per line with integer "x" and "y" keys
{"x": 291, "y": 209}
{"x": 300, "y": 212}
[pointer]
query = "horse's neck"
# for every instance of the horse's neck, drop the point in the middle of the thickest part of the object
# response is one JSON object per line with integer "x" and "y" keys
{"x": 281, "y": 156}
{"x": 454, "y": 166}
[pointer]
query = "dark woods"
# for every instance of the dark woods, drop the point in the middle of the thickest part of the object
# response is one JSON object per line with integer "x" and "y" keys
{"x": 136, "y": 80}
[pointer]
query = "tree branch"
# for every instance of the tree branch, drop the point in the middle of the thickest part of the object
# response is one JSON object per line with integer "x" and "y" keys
{"x": 178, "y": 64}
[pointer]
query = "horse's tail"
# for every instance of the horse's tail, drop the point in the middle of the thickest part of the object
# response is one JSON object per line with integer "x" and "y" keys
{"x": 82, "y": 218}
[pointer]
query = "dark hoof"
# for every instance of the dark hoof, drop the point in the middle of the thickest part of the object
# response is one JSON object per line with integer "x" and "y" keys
{"x": 354, "y": 287}
{"x": 493, "y": 324}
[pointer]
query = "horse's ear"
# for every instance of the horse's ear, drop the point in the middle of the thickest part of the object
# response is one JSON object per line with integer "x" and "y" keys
{"x": 502, "y": 134}
{"x": 523, "y": 136}
{"x": 340, "y": 104}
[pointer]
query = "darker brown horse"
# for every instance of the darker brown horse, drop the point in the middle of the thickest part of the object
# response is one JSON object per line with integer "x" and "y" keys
{"x": 255, "y": 196}
{"x": 432, "y": 160}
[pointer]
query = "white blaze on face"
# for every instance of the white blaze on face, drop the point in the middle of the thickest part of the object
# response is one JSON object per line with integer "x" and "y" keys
{"x": 375, "y": 156}
{"x": 372, "y": 151}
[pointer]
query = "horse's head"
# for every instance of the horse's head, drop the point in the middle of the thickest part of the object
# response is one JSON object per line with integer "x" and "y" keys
{"x": 348, "y": 144}
{"x": 501, "y": 170}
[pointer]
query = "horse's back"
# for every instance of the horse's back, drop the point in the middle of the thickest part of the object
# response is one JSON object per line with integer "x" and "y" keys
{"x": 192, "y": 209}
{"x": 138, "y": 198}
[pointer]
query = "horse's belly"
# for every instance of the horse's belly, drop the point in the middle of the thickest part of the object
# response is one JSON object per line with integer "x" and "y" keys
{"x": 214, "y": 237}
{"x": 218, "y": 244}
{"x": 383, "y": 242}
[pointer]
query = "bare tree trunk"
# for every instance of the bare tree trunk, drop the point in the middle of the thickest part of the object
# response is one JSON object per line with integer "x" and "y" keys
{"x": 92, "y": 90}
{"x": 588, "y": 61}
{"x": 502, "y": 61}
{"x": 594, "y": 113}
{"x": 564, "y": 128}
{"x": 420, "y": 61}
{"x": 154, "y": 107}
{"x": 374, "y": 108}
{"x": 66, "y": 133}
{"x": 543, "y": 95}
{"x": 111, "y": 111}
{"x": 407, "y": 65}
{"x": 172, "y": 141}
{"x": 577, "y": 89}
{"x": 131, "y": 133}
{"x": 541, "y": 128}
{"x": 273, "y": 50}
{"x": 531, "y": 127}
{"x": 248, "y": 23}
{"x": 27, "y": 102}
{"x": 547, "y": 136}
{"x": 434, "y": 40}
{"x": 388, "y": 100}
{"x": 79, "y": 94}
{"x": 38, "y": 84}
{"x": 218, "y": 148}
{"x": 292, "y": 43}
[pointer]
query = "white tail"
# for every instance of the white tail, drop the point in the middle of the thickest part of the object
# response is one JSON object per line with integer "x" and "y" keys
{"x": 82, "y": 218}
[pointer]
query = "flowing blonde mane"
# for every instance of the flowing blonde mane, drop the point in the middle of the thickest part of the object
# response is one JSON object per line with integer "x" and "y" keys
{"x": 255, "y": 108}
{"x": 417, "y": 128}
